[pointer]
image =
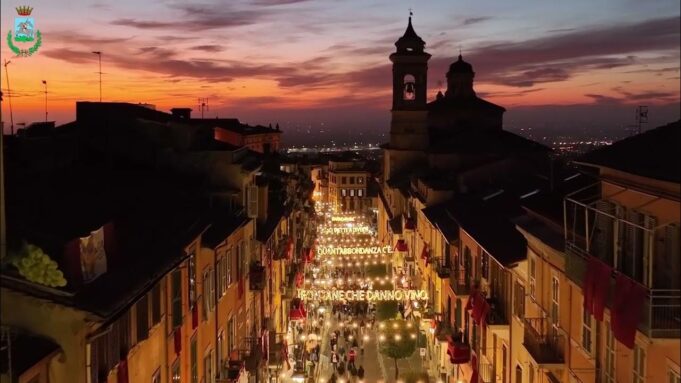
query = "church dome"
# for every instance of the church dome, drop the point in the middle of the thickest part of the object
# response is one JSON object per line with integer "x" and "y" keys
{"x": 460, "y": 66}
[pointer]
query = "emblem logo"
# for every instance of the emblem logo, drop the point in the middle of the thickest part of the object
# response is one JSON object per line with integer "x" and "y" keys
{"x": 24, "y": 32}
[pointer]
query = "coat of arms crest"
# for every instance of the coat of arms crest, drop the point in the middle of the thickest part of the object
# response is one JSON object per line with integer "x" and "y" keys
{"x": 24, "y": 32}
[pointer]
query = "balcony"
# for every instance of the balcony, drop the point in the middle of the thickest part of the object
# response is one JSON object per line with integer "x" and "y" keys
{"x": 543, "y": 341}
{"x": 283, "y": 249}
{"x": 460, "y": 281}
{"x": 634, "y": 245}
{"x": 256, "y": 277}
{"x": 497, "y": 315}
{"x": 278, "y": 353}
{"x": 442, "y": 266}
{"x": 252, "y": 354}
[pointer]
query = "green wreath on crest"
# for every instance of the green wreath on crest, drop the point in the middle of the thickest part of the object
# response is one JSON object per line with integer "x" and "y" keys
{"x": 25, "y": 52}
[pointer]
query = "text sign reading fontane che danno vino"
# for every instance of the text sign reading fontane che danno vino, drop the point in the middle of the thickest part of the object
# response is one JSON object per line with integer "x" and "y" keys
{"x": 362, "y": 295}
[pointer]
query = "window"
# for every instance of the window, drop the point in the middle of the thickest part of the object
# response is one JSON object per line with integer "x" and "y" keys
{"x": 194, "y": 362}
{"x": 176, "y": 290}
{"x": 227, "y": 264}
{"x": 220, "y": 352}
{"x": 485, "y": 265}
{"x": 208, "y": 292}
{"x": 156, "y": 378}
{"x": 518, "y": 373}
{"x": 352, "y": 192}
{"x": 142, "y": 309}
{"x": 156, "y": 304}
{"x": 231, "y": 339}
{"x": 344, "y": 192}
{"x": 586, "y": 330}
{"x": 519, "y": 300}
{"x": 243, "y": 259}
{"x": 352, "y": 180}
{"x": 240, "y": 260}
{"x": 639, "y": 365}
{"x": 220, "y": 277}
{"x": 409, "y": 91}
{"x": 208, "y": 368}
{"x": 533, "y": 277}
{"x": 555, "y": 294}
{"x": 343, "y": 180}
{"x": 360, "y": 180}
{"x": 192, "y": 281}
{"x": 674, "y": 376}
{"x": 360, "y": 193}
{"x": 175, "y": 376}
{"x": 609, "y": 370}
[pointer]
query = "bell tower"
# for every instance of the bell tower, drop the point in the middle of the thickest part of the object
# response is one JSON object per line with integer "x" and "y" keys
{"x": 408, "y": 128}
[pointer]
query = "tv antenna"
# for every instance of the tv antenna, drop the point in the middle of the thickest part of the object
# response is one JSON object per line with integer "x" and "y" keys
{"x": 641, "y": 117}
{"x": 9, "y": 97}
{"x": 203, "y": 106}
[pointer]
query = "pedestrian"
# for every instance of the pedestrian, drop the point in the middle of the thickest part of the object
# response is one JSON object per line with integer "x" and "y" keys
{"x": 333, "y": 378}
{"x": 360, "y": 372}
{"x": 351, "y": 357}
{"x": 334, "y": 361}
{"x": 354, "y": 343}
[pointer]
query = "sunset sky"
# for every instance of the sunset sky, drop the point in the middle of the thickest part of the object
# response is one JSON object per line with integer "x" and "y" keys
{"x": 308, "y": 63}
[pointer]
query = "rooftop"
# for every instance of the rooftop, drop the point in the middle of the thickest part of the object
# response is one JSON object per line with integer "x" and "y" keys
{"x": 652, "y": 154}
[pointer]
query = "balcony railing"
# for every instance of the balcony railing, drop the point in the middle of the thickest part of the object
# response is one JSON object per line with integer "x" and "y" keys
{"x": 460, "y": 281}
{"x": 661, "y": 309}
{"x": 543, "y": 341}
{"x": 631, "y": 242}
{"x": 634, "y": 245}
{"x": 486, "y": 371}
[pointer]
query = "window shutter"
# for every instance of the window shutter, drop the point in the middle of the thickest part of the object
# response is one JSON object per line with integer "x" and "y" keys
{"x": 142, "y": 319}
{"x": 252, "y": 201}
{"x": 156, "y": 304}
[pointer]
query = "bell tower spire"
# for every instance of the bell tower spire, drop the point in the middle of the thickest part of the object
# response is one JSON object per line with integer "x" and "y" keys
{"x": 410, "y": 78}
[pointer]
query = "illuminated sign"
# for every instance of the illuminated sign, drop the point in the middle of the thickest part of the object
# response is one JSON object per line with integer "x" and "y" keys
{"x": 342, "y": 219}
{"x": 333, "y": 250}
{"x": 362, "y": 295}
{"x": 346, "y": 230}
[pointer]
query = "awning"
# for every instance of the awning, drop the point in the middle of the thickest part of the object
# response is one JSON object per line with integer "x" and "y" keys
{"x": 401, "y": 245}
{"x": 297, "y": 311}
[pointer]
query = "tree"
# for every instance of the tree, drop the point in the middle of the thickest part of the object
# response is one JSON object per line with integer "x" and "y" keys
{"x": 398, "y": 340}
{"x": 36, "y": 266}
{"x": 386, "y": 310}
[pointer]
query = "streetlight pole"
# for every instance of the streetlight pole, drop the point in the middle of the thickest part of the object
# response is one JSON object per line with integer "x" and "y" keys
{"x": 45, "y": 83}
{"x": 99, "y": 54}
{"x": 9, "y": 97}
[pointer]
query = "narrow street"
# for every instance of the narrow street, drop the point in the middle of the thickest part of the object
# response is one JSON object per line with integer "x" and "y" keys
{"x": 349, "y": 299}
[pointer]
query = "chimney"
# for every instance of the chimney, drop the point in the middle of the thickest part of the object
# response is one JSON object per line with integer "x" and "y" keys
{"x": 181, "y": 113}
